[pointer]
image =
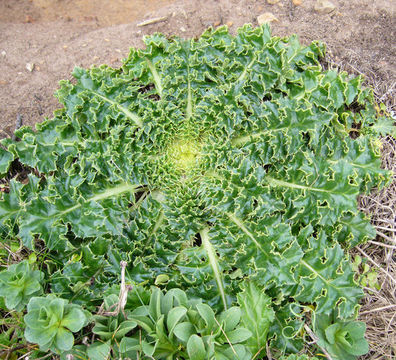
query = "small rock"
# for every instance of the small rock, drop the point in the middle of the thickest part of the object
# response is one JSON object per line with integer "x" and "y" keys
{"x": 272, "y": 2}
{"x": 183, "y": 29}
{"x": 3, "y": 82}
{"x": 29, "y": 19}
{"x": 30, "y": 67}
{"x": 266, "y": 18}
{"x": 3, "y": 53}
{"x": 324, "y": 7}
{"x": 230, "y": 23}
{"x": 217, "y": 23}
{"x": 297, "y": 2}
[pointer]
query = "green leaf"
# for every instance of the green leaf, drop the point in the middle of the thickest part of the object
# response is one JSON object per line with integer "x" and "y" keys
{"x": 230, "y": 318}
{"x": 74, "y": 320}
{"x": 148, "y": 349}
{"x": 257, "y": 315}
{"x": 42, "y": 337}
{"x": 5, "y": 161}
{"x": 155, "y": 304}
{"x": 144, "y": 322}
{"x": 196, "y": 348}
{"x": 384, "y": 126}
{"x": 327, "y": 279}
{"x": 160, "y": 330}
{"x": 238, "y": 335}
{"x": 129, "y": 344}
{"x": 124, "y": 328}
{"x": 208, "y": 315}
{"x": 64, "y": 340}
{"x": 174, "y": 317}
{"x": 99, "y": 351}
{"x": 184, "y": 331}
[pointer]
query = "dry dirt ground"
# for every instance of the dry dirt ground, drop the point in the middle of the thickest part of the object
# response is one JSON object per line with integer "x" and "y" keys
{"x": 42, "y": 40}
{"x": 53, "y": 36}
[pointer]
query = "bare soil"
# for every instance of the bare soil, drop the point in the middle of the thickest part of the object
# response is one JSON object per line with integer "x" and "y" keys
{"x": 42, "y": 40}
{"x": 53, "y": 36}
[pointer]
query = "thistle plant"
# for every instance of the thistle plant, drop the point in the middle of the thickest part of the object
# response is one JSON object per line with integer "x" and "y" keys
{"x": 206, "y": 164}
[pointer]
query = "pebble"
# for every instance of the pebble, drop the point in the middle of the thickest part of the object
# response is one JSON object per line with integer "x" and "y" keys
{"x": 229, "y": 23}
{"x": 3, "y": 53}
{"x": 297, "y": 2}
{"x": 29, "y": 19}
{"x": 272, "y": 2}
{"x": 183, "y": 29}
{"x": 30, "y": 67}
{"x": 324, "y": 7}
{"x": 266, "y": 17}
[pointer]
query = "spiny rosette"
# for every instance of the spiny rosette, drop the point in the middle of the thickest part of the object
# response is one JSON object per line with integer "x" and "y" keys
{"x": 203, "y": 163}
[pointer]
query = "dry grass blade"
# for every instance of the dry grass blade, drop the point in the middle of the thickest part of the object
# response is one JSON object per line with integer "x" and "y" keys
{"x": 382, "y": 244}
{"x": 379, "y": 309}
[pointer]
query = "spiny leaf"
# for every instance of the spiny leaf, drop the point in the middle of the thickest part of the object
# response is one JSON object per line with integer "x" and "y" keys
{"x": 257, "y": 316}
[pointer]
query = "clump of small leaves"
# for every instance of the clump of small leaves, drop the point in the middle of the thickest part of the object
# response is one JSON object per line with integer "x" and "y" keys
{"x": 368, "y": 276}
{"x": 174, "y": 326}
{"x": 344, "y": 340}
{"x": 50, "y": 322}
{"x": 19, "y": 283}
{"x": 205, "y": 164}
